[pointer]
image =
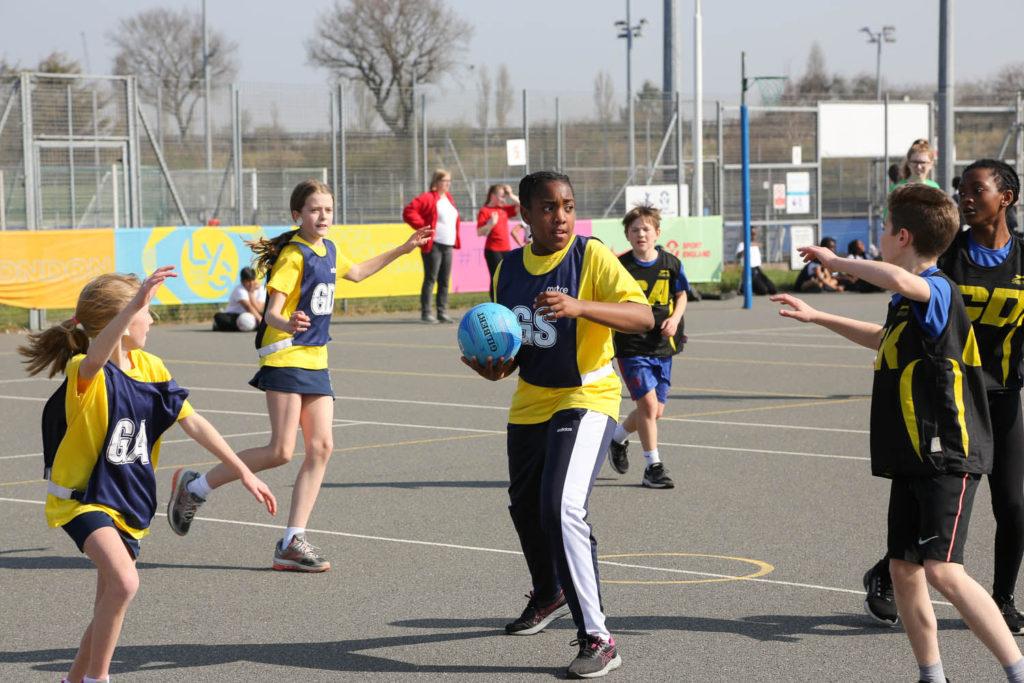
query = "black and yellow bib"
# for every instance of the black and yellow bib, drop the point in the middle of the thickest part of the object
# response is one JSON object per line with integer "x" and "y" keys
{"x": 994, "y": 298}
{"x": 929, "y": 413}
{"x": 659, "y": 283}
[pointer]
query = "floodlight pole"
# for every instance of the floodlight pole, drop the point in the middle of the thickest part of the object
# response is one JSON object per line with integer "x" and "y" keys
{"x": 878, "y": 37}
{"x": 748, "y": 290}
{"x": 208, "y": 133}
{"x": 628, "y": 31}
{"x": 947, "y": 151}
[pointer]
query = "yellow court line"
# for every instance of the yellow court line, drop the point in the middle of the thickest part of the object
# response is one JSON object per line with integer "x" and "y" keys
{"x": 756, "y": 393}
{"x": 762, "y": 569}
{"x": 775, "y": 407}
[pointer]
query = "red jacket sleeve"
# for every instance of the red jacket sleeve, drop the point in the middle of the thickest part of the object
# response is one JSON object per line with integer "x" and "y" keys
{"x": 413, "y": 212}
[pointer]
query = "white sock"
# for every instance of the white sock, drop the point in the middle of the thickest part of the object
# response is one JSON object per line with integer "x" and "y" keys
{"x": 86, "y": 679}
{"x": 290, "y": 533}
{"x": 620, "y": 434}
{"x": 200, "y": 487}
{"x": 652, "y": 456}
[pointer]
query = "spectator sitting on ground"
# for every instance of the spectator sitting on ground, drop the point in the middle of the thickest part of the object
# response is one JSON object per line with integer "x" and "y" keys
{"x": 855, "y": 250}
{"x": 817, "y": 278}
{"x": 245, "y": 305}
{"x": 759, "y": 282}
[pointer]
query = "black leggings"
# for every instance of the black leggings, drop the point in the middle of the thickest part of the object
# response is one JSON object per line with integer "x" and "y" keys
{"x": 1006, "y": 484}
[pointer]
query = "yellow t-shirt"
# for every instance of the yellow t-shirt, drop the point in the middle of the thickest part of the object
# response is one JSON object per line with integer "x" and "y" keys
{"x": 286, "y": 277}
{"x": 602, "y": 278}
{"x": 86, "y": 413}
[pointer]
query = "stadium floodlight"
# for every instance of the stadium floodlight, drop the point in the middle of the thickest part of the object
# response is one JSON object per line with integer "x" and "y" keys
{"x": 629, "y": 31}
{"x": 885, "y": 35}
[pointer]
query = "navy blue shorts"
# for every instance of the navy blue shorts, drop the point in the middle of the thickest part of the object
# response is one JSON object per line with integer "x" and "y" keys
{"x": 643, "y": 373}
{"x": 84, "y": 524}
{"x": 294, "y": 381}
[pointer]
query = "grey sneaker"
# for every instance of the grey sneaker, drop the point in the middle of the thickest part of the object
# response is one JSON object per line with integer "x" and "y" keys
{"x": 618, "y": 456}
{"x": 182, "y": 506}
{"x": 427, "y": 318}
{"x": 445, "y": 318}
{"x": 656, "y": 477}
{"x": 299, "y": 556}
{"x": 596, "y": 658}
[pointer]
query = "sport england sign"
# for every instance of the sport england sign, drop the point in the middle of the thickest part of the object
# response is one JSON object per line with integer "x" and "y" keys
{"x": 664, "y": 198}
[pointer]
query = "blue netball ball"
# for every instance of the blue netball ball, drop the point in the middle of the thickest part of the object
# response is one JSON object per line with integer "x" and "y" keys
{"x": 489, "y": 330}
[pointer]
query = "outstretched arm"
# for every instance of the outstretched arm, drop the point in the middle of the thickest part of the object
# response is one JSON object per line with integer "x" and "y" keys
{"x": 859, "y": 332}
{"x": 206, "y": 435}
{"x": 361, "y": 271}
{"x": 884, "y": 275}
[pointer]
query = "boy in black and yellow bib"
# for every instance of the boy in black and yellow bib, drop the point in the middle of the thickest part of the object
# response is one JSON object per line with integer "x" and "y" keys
{"x": 568, "y": 292}
{"x": 930, "y": 429}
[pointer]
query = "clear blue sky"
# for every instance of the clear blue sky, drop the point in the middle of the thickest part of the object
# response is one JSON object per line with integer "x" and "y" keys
{"x": 553, "y": 45}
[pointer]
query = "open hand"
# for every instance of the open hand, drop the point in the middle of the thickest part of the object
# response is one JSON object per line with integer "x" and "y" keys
{"x": 261, "y": 492}
{"x": 800, "y": 309}
{"x": 152, "y": 283}
{"x": 822, "y": 255}
{"x": 494, "y": 370}
{"x": 418, "y": 238}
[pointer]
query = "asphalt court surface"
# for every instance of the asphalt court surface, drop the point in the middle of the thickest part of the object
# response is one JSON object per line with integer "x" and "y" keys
{"x": 750, "y": 569}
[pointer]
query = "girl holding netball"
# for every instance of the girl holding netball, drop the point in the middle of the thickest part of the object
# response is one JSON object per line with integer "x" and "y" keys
{"x": 291, "y": 342}
{"x": 101, "y": 436}
{"x": 569, "y": 293}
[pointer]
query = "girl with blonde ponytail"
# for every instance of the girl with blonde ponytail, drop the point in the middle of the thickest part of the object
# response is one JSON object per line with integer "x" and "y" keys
{"x": 101, "y": 436}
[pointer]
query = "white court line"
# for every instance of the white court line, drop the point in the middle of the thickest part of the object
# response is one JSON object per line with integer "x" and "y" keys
{"x": 23, "y": 398}
{"x": 364, "y": 398}
{"x": 501, "y": 551}
{"x": 845, "y": 347}
{"x": 30, "y": 379}
{"x": 767, "y": 426}
{"x": 762, "y": 450}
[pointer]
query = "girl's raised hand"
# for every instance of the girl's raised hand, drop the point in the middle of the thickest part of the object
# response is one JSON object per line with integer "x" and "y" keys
{"x": 298, "y": 322}
{"x": 151, "y": 284}
{"x": 822, "y": 255}
{"x": 260, "y": 491}
{"x": 418, "y": 238}
{"x": 800, "y": 310}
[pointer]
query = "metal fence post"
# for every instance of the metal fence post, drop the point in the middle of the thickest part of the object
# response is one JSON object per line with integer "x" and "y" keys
{"x": 236, "y": 134}
{"x": 423, "y": 126}
{"x": 333, "y": 115}
{"x": 1020, "y": 149}
{"x": 679, "y": 153}
{"x": 71, "y": 155}
{"x": 31, "y": 217}
{"x": 558, "y": 138}
{"x": 343, "y": 157}
{"x": 526, "y": 134}
{"x": 415, "y": 139}
{"x": 132, "y": 170}
{"x": 721, "y": 160}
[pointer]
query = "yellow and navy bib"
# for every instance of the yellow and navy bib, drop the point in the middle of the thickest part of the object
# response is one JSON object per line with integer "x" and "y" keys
{"x": 994, "y": 298}
{"x": 929, "y": 412}
{"x": 661, "y": 281}
{"x": 108, "y": 441}
{"x": 564, "y": 363}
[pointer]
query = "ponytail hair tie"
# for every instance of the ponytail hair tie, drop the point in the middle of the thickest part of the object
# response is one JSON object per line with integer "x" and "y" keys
{"x": 74, "y": 320}
{"x": 76, "y": 324}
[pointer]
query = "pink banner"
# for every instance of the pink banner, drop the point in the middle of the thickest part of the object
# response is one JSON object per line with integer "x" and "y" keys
{"x": 469, "y": 269}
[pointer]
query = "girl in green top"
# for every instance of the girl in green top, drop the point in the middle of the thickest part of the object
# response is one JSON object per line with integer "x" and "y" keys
{"x": 917, "y": 165}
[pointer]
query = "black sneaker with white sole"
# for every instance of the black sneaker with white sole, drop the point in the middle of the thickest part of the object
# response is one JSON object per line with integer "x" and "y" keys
{"x": 656, "y": 477}
{"x": 1014, "y": 619}
{"x": 880, "y": 601}
{"x": 618, "y": 456}
{"x": 596, "y": 658}
{"x": 538, "y": 615}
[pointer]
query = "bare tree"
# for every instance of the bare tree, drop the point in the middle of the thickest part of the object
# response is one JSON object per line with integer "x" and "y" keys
{"x": 164, "y": 49}
{"x": 1009, "y": 80}
{"x": 604, "y": 97}
{"x": 483, "y": 97}
{"x": 389, "y": 45}
{"x": 365, "y": 111}
{"x": 503, "y": 97}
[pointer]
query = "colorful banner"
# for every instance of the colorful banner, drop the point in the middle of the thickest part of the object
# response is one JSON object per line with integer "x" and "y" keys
{"x": 697, "y": 241}
{"x": 48, "y": 269}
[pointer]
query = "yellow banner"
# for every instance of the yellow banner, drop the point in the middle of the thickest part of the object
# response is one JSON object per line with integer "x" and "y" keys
{"x": 361, "y": 242}
{"x": 47, "y": 269}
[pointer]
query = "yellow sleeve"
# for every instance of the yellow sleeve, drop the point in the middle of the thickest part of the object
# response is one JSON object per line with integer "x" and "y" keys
{"x": 343, "y": 264}
{"x": 286, "y": 274}
{"x": 186, "y": 410}
{"x": 611, "y": 281}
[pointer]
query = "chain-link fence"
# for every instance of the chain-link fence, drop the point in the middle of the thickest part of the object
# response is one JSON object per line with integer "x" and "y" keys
{"x": 94, "y": 152}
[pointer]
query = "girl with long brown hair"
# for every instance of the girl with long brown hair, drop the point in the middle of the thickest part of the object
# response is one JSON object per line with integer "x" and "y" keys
{"x": 291, "y": 342}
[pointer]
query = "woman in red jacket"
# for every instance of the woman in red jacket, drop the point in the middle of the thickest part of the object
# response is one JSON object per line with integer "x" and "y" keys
{"x": 435, "y": 209}
{"x": 492, "y": 221}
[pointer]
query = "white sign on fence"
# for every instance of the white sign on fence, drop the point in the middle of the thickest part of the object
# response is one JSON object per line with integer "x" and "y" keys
{"x": 662, "y": 197}
{"x": 799, "y": 236}
{"x": 798, "y": 192}
{"x": 779, "y": 196}
{"x": 857, "y": 129}
{"x": 515, "y": 150}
